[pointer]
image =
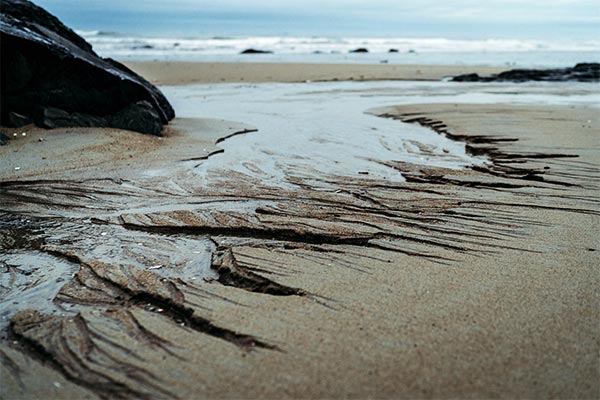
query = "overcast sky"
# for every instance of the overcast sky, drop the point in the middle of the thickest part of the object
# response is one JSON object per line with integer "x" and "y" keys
{"x": 508, "y": 18}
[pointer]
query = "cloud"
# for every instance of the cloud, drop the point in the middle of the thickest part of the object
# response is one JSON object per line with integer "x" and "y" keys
{"x": 489, "y": 17}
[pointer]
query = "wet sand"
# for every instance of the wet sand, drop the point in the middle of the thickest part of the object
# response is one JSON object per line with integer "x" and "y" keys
{"x": 477, "y": 282}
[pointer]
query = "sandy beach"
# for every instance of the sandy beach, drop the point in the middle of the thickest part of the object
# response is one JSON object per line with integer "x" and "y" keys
{"x": 182, "y": 72}
{"x": 457, "y": 261}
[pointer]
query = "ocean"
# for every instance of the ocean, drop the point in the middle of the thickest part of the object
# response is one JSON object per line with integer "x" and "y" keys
{"x": 338, "y": 49}
{"x": 432, "y": 32}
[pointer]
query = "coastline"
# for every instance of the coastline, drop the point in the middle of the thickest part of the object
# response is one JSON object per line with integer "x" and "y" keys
{"x": 184, "y": 72}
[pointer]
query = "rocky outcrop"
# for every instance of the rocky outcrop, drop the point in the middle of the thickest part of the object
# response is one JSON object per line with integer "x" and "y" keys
{"x": 51, "y": 76}
{"x": 255, "y": 51}
{"x": 584, "y": 72}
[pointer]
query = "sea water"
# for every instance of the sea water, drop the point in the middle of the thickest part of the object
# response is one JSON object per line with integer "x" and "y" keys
{"x": 338, "y": 49}
{"x": 495, "y": 33}
{"x": 317, "y": 133}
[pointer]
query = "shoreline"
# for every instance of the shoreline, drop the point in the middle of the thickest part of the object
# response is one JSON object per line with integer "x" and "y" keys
{"x": 188, "y": 72}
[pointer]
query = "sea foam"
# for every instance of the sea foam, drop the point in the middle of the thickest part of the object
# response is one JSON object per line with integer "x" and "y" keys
{"x": 337, "y": 49}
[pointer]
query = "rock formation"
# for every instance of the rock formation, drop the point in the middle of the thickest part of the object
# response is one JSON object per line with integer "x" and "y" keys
{"x": 51, "y": 76}
{"x": 584, "y": 72}
{"x": 255, "y": 51}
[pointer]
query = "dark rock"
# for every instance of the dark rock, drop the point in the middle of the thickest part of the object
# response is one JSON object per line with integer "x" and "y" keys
{"x": 467, "y": 78}
{"x": 52, "y": 74}
{"x": 584, "y": 72}
{"x": 359, "y": 50}
{"x": 393, "y": 51}
{"x": 143, "y": 47}
{"x": 255, "y": 51}
{"x": 139, "y": 117}
{"x": 18, "y": 120}
{"x": 50, "y": 117}
{"x": 587, "y": 67}
{"x": 3, "y": 139}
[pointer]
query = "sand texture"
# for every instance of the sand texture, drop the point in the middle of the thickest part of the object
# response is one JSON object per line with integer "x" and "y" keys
{"x": 473, "y": 283}
{"x": 181, "y": 72}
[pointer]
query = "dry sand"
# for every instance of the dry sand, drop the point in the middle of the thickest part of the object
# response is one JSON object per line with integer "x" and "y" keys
{"x": 181, "y": 73}
{"x": 480, "y": 283}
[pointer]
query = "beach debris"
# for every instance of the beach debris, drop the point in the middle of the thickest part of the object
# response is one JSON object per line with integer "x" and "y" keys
{"x": 359, "y": 50}
{"x": 256, "y": 51}
{"x": 17, "y": 168}
{"x": 208, "y": 279}
{"x": 41, "y": 139}
{"x": 157, "y": 266}
{"x": 3, "y": 139}
{"x": 393, "y": 51}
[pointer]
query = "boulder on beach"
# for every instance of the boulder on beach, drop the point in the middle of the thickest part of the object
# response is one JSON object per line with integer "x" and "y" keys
{"x": 51, "y": 76}
{"x": 583, "y": 72}
{"x": 255, "y": 51}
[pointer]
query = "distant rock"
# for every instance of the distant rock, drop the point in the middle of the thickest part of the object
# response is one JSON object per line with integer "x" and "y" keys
{"x": 468, "y": 78}
{"x": 51, "y": 75}
{"x": 393, "y": 51}
{"x": 584, "y": 72}
{"x": 255, "y": 51}
{"x": 143, "y": 47}
{"x": 359, "y": 50}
